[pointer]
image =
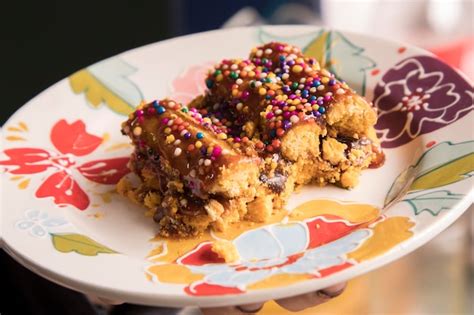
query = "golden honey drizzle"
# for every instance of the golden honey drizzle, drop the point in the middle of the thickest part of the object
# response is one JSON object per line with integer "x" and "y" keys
{"x": 354, "y": 213}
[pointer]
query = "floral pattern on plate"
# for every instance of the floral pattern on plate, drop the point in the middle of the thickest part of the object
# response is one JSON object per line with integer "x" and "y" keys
{"x": 71, "y": 140}
{"x": 419, "y": 95}
{"x": 441, "y": 165}
{"x": 107, "y": 82}
{"x": 39, "y": 223}
{"x": 335, "y": 52}
{"x": 190, "y": 83}
{"x": 282, "y": 253}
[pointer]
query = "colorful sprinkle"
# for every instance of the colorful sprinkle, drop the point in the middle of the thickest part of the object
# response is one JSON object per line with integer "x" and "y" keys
{"x": 297, "y": 69}
{"x": 340, "y": 91}
{"x": 137, "y": 131}
{"x": 276, "y": 80}
{"x": 294, "y": 119}
{"x": 217, "y": 151}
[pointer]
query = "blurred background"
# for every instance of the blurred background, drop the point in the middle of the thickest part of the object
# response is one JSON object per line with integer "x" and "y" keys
{"x": 44, "y": 41}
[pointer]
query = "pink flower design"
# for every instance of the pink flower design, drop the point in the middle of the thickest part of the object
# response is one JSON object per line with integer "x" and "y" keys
{"x": 71, "y": 140}
{"x": 190, "y": 83}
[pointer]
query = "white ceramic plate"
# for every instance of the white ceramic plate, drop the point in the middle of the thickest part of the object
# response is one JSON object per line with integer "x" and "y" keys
{"x": 63, "y": 152}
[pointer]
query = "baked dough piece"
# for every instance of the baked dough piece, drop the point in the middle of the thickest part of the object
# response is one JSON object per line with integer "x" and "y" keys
{"x": 264, "y": 125}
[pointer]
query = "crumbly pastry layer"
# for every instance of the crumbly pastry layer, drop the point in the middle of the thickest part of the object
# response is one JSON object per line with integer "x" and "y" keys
{"x": 264, "y": 125}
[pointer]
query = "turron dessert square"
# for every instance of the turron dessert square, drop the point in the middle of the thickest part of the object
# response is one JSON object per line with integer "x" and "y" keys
{"x": 265, "y": 125}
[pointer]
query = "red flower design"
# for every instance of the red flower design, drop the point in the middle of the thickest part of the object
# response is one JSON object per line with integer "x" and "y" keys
{"x": 28, "y": 160}
{"x": 320, "y": 232}
{"x": 64, "y": 190}
{"x": 205, "y": 289}
{"x": 203, "y": 255}
{"x": 318, "y": 251}
{"x": 106, "y": 172}
{"x": 71, "y": 140}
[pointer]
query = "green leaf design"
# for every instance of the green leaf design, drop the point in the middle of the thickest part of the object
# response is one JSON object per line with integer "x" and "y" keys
{"x": 301, "y": 40}
{"x": 107, "y": 82}
{"x": 400, "y": 186}
{"x": 451, "y": 172}
{"x": 444, "y": 164}
{"x": 334, "y": 51}
{"x": 318, "y": 48}
{"x": 433, "y": 202}
{"x": 81, "y": 244}
{"x": 342, "y": 57}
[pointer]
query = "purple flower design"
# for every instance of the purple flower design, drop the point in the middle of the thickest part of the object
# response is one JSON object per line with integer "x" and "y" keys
{"x": 419, "y": 95}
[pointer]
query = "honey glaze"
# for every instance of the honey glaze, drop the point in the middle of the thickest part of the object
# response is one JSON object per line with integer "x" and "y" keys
{"x": 379, "y": 159}
{"x": 169, "y": 250}
{"x": 192, "y": 145}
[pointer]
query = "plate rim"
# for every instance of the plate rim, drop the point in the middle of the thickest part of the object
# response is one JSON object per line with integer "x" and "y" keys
{"x": 157, "y": 299}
